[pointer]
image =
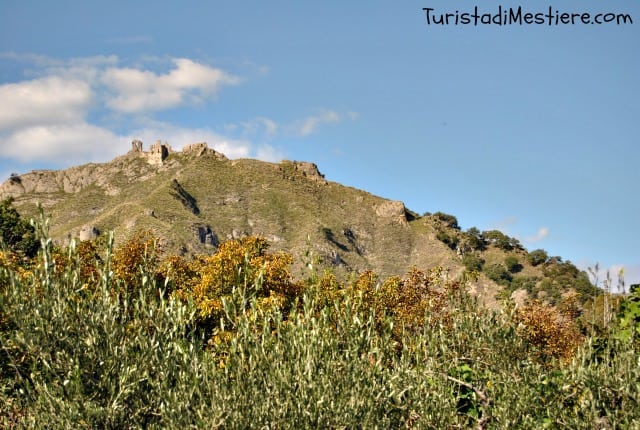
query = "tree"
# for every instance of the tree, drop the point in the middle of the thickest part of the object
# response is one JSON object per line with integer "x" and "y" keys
{"x": 472, "y": 262}
{"x": 474, "y": 239}
{"x": 450, "y": 240}
{"x": 498, "y": 239}
{"x": 16, "y": 233}
{"x": 498, "y": 273}
{"x": 448, "y": 220}
{"x": 538, "y": 256}
{"x": 512, "y": 264}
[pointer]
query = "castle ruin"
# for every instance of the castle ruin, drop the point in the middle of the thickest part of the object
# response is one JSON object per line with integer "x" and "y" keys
{"x": 159, "y": 151}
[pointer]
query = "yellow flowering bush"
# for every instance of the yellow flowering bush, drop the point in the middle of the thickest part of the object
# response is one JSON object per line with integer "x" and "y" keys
{"x": 550, "y": 333}
{"x": 242, "y": 265}
{"x": 137, "y": 256}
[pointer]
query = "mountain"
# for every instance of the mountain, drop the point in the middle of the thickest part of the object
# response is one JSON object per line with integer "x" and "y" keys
{"x": 196, "y": 198}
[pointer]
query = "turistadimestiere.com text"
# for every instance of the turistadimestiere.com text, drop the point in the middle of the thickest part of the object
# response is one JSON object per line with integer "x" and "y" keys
{"x": 504, "y": 16}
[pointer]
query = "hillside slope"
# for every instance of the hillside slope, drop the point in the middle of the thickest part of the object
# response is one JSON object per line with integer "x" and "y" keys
{"x": 196, "y": 198}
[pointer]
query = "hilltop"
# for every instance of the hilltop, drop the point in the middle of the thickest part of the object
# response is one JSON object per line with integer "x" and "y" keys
{"x": 196, "y": 198}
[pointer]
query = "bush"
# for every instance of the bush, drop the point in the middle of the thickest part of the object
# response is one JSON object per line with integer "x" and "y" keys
{"x": 537, "y": 257}
{"x": 474, "y": 239}
{"x": 473, "y": 262}
{"x": 448, "y": 220}
{"x": 549, "y": 333}
{"x": 242, "y": 265}
{"x": 138, "y": 255}
{"x": 498, "y": 273}
{"x": 16, "y": 233}
{"x": 412, "y": 352}
{"x": 512, "y": 264}
{"x": 451, "y": 240}
{"x": 501, "y": 240}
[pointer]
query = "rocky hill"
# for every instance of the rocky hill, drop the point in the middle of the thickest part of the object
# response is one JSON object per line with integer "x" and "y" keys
{"x": 196, "y": 198}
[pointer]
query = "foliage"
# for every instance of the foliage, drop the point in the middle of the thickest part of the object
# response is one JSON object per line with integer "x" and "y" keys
{"x": 512, "y": 264}
{"x": 562, "y": 276}
{"x": 447, "y": 219}
{"x": 411, "y": 352}
{"x": 449, "y": 239}
{"x": 498, "y": 273}
{"x": 551, "y": 334}
{"x": 408, "y": 301}
{"x": 473, "y": 238}
{"x": 501, "y": 240}
{"x": 537, "y": 257}
{"x": 241, "y": 264}
{"x": 525, "y": 282}
{"x": 137, "y": 255}
{"x": 472, "y": 262}
{"x": 16, "y": 233}
{"x": 629, "y": 316}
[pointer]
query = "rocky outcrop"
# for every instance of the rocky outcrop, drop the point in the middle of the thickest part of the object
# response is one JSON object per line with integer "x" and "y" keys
{"x": 50, "y": 181}
{"x": 310, "y": 170}
{"x": 88, "y": 232}
{"x": 75, "y": 179}
{"x": 393, "y": 210}
{"x": 200, "y": 149}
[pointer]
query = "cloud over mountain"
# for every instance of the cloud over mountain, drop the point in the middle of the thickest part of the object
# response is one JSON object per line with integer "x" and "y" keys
{"x": 133, "y": 90}
{"x": 88, "y": 109}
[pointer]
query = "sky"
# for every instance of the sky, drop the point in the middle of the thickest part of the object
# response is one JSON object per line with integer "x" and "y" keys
{"x": 531, "y": 129}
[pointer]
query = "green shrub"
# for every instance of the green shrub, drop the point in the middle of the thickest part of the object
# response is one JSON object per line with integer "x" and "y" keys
{"x": 412, "y": 352}
{"x": 473, "y": 262}
{"x": 537, "y": 257}
{"x": 448, "y": 220}
{"x": 16, "y": 233}
{"x": 498, "y": 273}
{"x": 512, "y": 264}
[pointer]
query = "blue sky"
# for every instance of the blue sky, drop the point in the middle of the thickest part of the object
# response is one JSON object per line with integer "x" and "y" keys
{"x": 530, "y": 129}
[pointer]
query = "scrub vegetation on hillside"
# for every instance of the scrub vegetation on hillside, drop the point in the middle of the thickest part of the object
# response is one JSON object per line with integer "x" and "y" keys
{"x": 97, "y": 336}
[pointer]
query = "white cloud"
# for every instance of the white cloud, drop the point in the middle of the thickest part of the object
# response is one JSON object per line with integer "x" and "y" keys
{"x": 52, "y": 116}
{"x": 135, "y": 90}
{"x": 80, "y": 142}
{"x": 632, "y": 274}
{"x": 258, "y": 125}
{"x": 309, "y": 125}
{"x": 88, "y": 69}
{"x": 50, "y": 100}
{"x": 269, "y": 153}
{"x": 542, "y": 233}
{"x": 46, "y": 118}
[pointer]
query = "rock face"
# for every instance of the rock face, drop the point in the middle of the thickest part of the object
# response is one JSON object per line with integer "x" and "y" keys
{"x": 88, "y": 232}
{"x": 75, "y": 179}
{"x": 48, "y": 181}
{"x": 200, "y": 149}
{"x": 394, "y": 210}
{"x": 310, "y": 170}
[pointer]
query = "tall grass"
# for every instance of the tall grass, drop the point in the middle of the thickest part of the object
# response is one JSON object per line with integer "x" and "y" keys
{"x": 78, "y": 354}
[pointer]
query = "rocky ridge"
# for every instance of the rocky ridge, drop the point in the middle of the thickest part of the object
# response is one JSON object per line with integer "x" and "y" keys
{"x": 195, "y": 198}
